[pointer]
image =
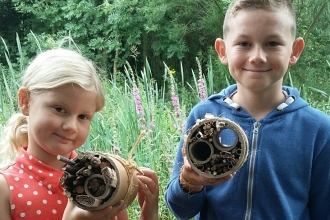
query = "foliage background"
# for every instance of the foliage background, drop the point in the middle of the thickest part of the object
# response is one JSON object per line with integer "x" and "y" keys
{"x": 112, "y": 32}
{"x": 162, "y": 49}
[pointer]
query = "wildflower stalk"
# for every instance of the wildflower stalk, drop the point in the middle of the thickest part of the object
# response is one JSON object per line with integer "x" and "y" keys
{"x": 152, "y": 112}
{"x": 115, "y": 145}
{"x": 175, "y": 100}
{"x": 137, "y": 100}
{"x": 201, "y": 82}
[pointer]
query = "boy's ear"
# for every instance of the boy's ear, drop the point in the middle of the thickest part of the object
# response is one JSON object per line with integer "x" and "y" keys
{"x": 297, "y": 48}
{"x": 23, "y": 101}
{"x": 220, "y": 47}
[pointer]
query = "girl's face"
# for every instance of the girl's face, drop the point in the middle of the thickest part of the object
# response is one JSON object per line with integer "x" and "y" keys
{"x": 258, "y": 49}
{"x": 59, "y": 120}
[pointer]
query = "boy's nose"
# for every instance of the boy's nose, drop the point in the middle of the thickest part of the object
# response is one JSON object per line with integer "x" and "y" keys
{"x": 258, "y": 55}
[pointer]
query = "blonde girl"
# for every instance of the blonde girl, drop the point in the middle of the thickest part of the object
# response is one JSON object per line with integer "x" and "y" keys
{"x": 59, "y": 95}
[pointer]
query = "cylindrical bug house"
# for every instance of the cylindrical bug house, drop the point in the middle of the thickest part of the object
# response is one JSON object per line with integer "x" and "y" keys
{"x": 94, "y": 180}
{"x": 216, "y": 146}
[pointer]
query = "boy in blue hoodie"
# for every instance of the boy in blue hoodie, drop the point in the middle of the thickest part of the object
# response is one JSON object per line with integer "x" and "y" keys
{"x": 287, "y": 173}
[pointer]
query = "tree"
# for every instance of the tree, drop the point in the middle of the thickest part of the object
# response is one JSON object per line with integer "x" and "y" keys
{"x": 112, "y": 32}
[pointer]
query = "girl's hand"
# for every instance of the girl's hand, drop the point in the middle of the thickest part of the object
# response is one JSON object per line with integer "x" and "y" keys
{"x": 148, "y": 194}
{"x": 72, "y": 212}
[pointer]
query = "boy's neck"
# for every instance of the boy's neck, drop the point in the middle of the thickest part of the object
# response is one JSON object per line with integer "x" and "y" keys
{"x": 258, "y": 104}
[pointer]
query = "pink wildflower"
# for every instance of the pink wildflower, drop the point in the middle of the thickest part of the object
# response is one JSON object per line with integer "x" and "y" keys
{"x": 115, "y": 148}
{"x": 175, "y": 102}
{"x": 201, "y": 83}
{"x": 137, "y": 99}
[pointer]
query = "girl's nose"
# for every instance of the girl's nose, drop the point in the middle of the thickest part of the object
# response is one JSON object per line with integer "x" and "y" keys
{"x": 258, "y": 55}
{"x": 70, "y": 124}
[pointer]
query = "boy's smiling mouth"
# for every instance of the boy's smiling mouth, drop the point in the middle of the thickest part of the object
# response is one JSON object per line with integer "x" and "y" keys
{"x": 257, "y": 70}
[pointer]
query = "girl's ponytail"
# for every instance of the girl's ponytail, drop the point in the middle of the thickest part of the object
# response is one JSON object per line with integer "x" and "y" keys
{"x": 14, "y": 136}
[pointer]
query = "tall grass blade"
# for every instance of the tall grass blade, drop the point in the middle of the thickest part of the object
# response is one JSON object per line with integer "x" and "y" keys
{"x": 8, "y": 90}
{"x": 318, "y": 91}
{"x": 210, "y": 78}
{"x": 19, "y": 47}
{"x": 290, "y": 79}
{"x": 4, "y": 43}
{"x": 37, "y": 41}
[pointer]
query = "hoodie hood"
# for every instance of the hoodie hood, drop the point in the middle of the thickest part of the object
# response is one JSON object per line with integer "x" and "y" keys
{"x": 293, "y": 102}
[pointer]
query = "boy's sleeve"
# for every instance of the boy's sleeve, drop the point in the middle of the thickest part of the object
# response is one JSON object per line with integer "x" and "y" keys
{"x": 183, "y": 205}
{"x": 320, "y": 185}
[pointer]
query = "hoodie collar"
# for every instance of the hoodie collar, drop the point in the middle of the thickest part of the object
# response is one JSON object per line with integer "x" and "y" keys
{"x": 292, "y": 95}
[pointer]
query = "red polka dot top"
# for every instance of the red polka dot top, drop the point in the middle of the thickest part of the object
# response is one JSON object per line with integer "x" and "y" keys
{"x": 35, "y": 188}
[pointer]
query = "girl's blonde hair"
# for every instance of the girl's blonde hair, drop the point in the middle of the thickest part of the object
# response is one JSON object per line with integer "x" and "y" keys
{"x": 49, "y": 70}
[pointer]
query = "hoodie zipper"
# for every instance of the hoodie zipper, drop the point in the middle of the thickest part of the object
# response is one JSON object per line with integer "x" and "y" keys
{"x": 256, "y": 126}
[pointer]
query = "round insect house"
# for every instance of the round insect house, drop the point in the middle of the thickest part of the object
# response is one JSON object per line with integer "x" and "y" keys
{"x": 94, "y": 180}
{"x": 216, "y": 146}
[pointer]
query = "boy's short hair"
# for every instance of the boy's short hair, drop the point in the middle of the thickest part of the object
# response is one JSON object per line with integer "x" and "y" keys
{"x": 250, "y": 5}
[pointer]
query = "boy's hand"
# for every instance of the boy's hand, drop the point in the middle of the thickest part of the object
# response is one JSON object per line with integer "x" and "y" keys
{"x": 72, "y": 212}
{"x": 192, "y": 182}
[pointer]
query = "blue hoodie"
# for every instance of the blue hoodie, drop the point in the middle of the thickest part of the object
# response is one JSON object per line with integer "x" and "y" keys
{"x": 286, "y": 175}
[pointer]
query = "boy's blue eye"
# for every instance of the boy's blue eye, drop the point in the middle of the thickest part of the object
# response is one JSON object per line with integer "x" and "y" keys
{"x": 244, "y": 44}
{"x": 273, "y": 44}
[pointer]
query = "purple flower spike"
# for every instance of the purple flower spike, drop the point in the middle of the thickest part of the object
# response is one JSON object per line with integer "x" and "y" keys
{"x": 201, "y": 83}
{"x": 115, "y": 148}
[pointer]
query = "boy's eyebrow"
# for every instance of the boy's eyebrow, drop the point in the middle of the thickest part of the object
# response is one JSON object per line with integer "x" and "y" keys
{"x": 243, "y": 35}
{"x": 279, "y": 35}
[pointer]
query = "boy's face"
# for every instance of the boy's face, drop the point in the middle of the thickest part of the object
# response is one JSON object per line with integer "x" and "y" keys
{"x": 259, "y": 48}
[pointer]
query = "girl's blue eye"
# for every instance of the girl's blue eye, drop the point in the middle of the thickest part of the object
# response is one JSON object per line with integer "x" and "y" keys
{"x": 83, "y": 117}
{"x": 59, "y": 109}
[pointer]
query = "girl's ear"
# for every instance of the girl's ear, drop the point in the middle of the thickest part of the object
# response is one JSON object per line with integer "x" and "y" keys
{"x": 297, "y": 48}
{"x": 23, "y": 100}
{"x": 220, "y": 47}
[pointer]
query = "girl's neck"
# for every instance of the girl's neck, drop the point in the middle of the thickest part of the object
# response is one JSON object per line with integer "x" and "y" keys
{"x": 46, "y": 158}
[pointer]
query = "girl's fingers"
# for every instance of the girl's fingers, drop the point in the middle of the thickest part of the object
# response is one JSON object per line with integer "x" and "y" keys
{"x": 108, "y": 212}
{"x": 116, "y": 209}
{"x": 149, "y": 182}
